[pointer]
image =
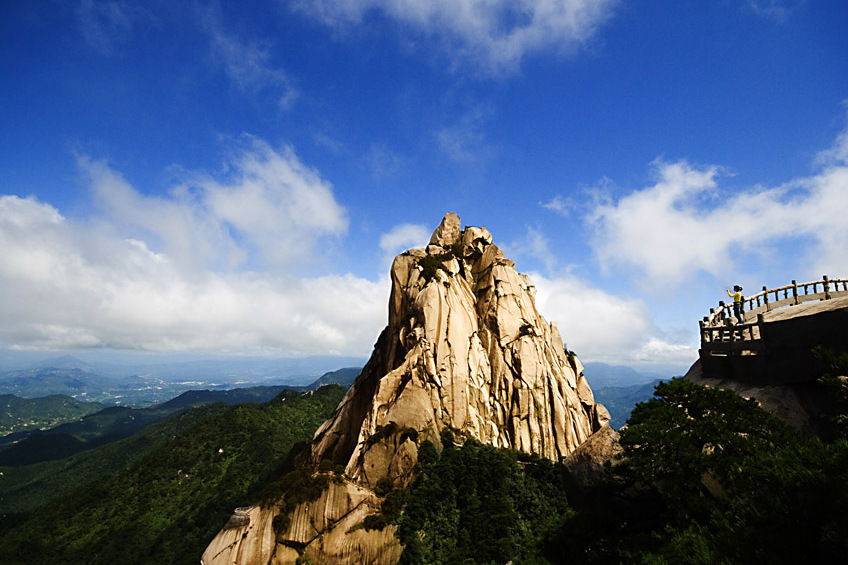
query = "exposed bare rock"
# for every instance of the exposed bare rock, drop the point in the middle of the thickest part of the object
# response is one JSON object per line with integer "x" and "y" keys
{"x": 790, "y": 403}
{"x": 253, "y": 542}
{"x": 448, "y": 231}
{"x": 240, "y": 517}
{"x": 465, "y": 349}
{"x": 587, "y": 463}
{"x": 324, "y": 530}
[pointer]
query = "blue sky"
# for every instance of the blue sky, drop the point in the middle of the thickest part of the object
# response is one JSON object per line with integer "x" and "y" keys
{"x": 234, "y": 178}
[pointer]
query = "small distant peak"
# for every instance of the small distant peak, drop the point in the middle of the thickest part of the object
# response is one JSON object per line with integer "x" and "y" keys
{"x": 448, "y": 232}
{"x": 64, "y": 362}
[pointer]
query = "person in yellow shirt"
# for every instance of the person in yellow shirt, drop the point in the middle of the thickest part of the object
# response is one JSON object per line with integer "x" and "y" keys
{"x": 736, "y": 295}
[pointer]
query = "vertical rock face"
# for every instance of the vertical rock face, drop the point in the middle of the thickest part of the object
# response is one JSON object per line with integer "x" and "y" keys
{"x": 464, "y": 348}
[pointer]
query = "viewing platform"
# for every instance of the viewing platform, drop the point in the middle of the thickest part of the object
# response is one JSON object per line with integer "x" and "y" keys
{"x": 778, "y": 329}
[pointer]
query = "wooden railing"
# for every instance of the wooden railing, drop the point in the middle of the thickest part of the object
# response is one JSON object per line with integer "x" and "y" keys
{"x": 718, "y": 336}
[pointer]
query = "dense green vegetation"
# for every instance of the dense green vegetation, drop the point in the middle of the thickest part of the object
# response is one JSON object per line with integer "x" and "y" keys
{"x": 25, "y": 488}
{"x": 91, "y": 431}
{"x": 477, "y": 504}
{"x": 712, "y": 478}
{"x": 27, "y": 414}
{"x": 167, "y": 506}
{"x": 835, "y": 380}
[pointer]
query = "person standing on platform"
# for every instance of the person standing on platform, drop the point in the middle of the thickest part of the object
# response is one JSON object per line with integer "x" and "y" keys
{"x": 737, "y": 302}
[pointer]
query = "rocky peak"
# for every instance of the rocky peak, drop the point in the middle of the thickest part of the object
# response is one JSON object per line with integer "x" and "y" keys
{"x": 464, "y": 349}
{"x": 448, "y": 232}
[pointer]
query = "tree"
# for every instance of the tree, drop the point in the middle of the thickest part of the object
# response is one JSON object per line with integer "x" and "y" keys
{"x": 710, "y": 477}
{"x": 690, "y": 443}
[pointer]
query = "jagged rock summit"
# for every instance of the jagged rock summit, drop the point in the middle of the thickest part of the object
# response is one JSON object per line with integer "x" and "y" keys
{"x": 464, "y": 349}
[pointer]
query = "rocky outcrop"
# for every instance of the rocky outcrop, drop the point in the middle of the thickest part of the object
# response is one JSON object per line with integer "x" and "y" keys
{"x": 782, "y": 375}
{"x": 796, "y": 404}
{"x": 465, "y": 349}
{"x": 327, "y": 530}
{"x": 588, "y": 464}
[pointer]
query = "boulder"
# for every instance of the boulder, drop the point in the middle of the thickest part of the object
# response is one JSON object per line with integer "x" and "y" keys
{"x": 448, "y": 231}
{"x": 588, "y": 463}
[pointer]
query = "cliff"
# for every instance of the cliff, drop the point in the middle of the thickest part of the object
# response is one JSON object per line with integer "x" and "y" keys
{"x": 464, "y": 349}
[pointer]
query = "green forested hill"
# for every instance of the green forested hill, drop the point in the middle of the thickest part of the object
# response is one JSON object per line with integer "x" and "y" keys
{"x": 27, "y": 414}
{"x": 112, "y": 423}
{"x": 26, "y": 488}
{"x": 166, "y": 506}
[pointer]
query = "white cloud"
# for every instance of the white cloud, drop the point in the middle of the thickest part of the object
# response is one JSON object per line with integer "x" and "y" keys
{"x": 403, "y": 237}
{"x": 560, "y": 205}
{"x": 207, "y": 267}
{"x": 176, "y": 226}
{"x": 658, "y": 351}
{"x": 496, "y": 34}
{"x": 248, "y": 64}
{"x": 534, "y": 244}
{"x": 68, "y": 285}
{"x": 837, "y": 153}
{"x": 683, "y": 226}
{"x": 270, "y": 208}
{"x": 599, "y": 326}
{"x": 275, "y": 202}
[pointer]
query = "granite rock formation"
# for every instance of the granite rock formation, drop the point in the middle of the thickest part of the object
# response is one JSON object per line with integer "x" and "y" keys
{"x": 465, "y": 349}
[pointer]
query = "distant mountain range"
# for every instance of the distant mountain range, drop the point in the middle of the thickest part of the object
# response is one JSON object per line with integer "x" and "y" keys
{"x": 81, "y": 432}
{"x": 147, "y": 385}
{"x": 179, "y": 367}
{"x": 602, "y": 375}
{"x": 620, "y": 400}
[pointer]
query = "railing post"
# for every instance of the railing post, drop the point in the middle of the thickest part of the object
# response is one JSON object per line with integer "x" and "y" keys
{"x": 732, "y": 340}
{"x": 765, "y": 298}
{"x": 760, "y": 323}
{"x": 826, "y": 287}
{"x": 795, "y": 292}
